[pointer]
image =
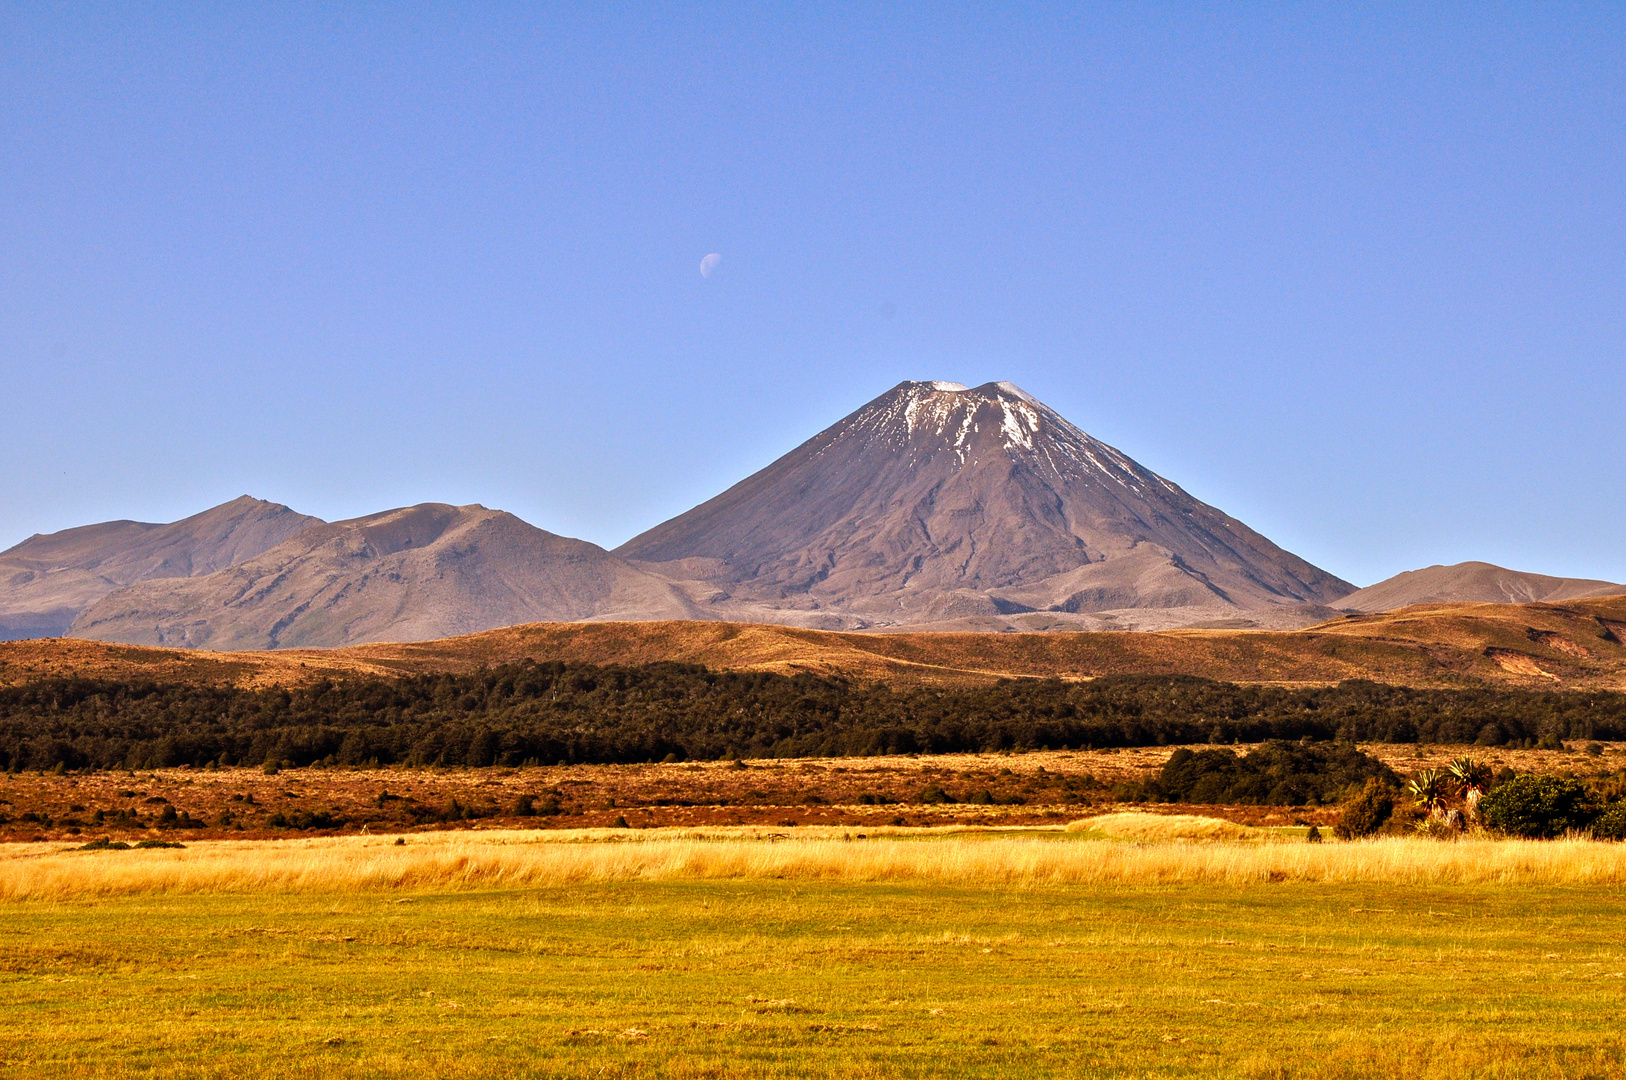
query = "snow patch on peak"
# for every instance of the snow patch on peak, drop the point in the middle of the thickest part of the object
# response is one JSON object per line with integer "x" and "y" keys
{"x": 951, "y": 387}
{"x": 1019, "y": 425}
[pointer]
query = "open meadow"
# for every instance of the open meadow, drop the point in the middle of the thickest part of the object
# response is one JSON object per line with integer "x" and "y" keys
{"x": 1120, "y": 947}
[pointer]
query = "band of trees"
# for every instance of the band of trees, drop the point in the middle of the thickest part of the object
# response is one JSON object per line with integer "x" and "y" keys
{"x": 552, "y": 712}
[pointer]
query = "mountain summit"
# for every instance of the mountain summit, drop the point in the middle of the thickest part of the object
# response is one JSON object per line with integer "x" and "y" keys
{"x": 408, "y": 574}
{"x": 967, "y": 507}
{"x": 46, "y": 581}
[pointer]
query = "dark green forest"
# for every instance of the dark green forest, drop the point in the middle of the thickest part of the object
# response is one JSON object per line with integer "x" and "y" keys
{"x": 577, "y": 713}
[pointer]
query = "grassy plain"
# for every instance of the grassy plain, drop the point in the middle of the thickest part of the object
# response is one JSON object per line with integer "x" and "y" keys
{"x": 1577, "y": 644}
{"x": 1007, "y": 954}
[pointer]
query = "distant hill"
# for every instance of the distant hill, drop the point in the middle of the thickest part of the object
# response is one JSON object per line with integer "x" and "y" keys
{"x": 47, "y": 580}
{"x": 1577, "y": 644}
{"x": 1472, "y": 582}
{"x": 954, "y": 508}
{"x": 419, "y": 572}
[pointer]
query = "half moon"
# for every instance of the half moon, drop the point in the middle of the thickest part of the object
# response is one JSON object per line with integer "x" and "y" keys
{"x": 709, "y": 263}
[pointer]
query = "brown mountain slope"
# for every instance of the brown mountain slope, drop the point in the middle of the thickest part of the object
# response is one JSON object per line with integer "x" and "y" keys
{"x": 1575, "y": 645}
{"x": 424, "y": 571}
{"x": 46, "y": 580}
{"x": 1473, "y": 583}
{"x": 969, "y": 509}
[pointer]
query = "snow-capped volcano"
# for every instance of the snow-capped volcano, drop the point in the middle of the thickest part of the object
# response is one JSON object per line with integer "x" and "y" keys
{"x": 936, "y": 503}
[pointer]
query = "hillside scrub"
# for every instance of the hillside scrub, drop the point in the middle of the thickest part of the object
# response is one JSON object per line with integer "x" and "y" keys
{"x": 581, "y": 713}
{"x": 1278, "y": 773}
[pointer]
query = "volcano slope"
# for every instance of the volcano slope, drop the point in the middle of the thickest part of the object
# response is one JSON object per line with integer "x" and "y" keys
{"x": 418, "y": 572}
{"x": 1473, "y": 582}
{"x": 47, "y": 580}
{"x": 1573, "y": 645}
{"x": 940, "y": 506}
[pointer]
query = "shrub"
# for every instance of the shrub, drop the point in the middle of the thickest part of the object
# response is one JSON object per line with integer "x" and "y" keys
{"x": 1277, "y": 774}
{"x": 303, "y": 819}
{"x": 1611, "y": 824}
{"x": 933, "y": 793}
{"x": 1438, "y": 828}
{"x": 1367, "y": 812}
{"x": 102, "y": 843}
{"x": 524, "y": 806}
{"x": 1538, "y": 806}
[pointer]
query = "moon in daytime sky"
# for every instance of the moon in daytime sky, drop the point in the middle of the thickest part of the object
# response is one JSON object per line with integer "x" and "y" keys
{"x": 709, "y": 263}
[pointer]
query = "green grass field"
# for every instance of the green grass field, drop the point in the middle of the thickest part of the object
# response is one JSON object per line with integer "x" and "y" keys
{"x": 844, "y": 979}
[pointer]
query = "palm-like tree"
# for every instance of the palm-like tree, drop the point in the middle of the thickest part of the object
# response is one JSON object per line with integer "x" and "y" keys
{"x": 1430, "y": 788}
{"x": 1471, "y": 776}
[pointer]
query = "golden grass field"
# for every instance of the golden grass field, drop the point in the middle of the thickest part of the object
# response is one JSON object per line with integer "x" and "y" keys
{"x": 1127, "y": 946}
{"x": 1151, "y": 850}
{"x": 1572, "y": 644}
{"x": 813, "y": 938}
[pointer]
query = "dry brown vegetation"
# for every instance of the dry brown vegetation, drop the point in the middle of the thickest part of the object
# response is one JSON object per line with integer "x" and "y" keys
{"x": 1576, "y": 644}
{"x": 1035, "y": 788}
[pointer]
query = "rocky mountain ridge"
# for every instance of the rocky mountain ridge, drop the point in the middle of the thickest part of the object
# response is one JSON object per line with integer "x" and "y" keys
{"x": 47, "y": 580}
{"x": 415, "y": 573}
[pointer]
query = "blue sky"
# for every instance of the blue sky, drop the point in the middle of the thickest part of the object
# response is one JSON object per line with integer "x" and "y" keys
{"x": 1356, "y": 277}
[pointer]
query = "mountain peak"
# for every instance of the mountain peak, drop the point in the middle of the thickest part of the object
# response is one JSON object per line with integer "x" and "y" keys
{"x": 936, "y": 501}
{"x": 994, "y": 421}
{"x": 411, "y": 573}
{"x": 50, "y": 578}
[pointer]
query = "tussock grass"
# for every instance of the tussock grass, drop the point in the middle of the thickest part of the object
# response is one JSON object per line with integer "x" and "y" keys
{"x": 1433, "y": 645}
{"x": 451, "y": 861}
{"x": 1153, "y": 828}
